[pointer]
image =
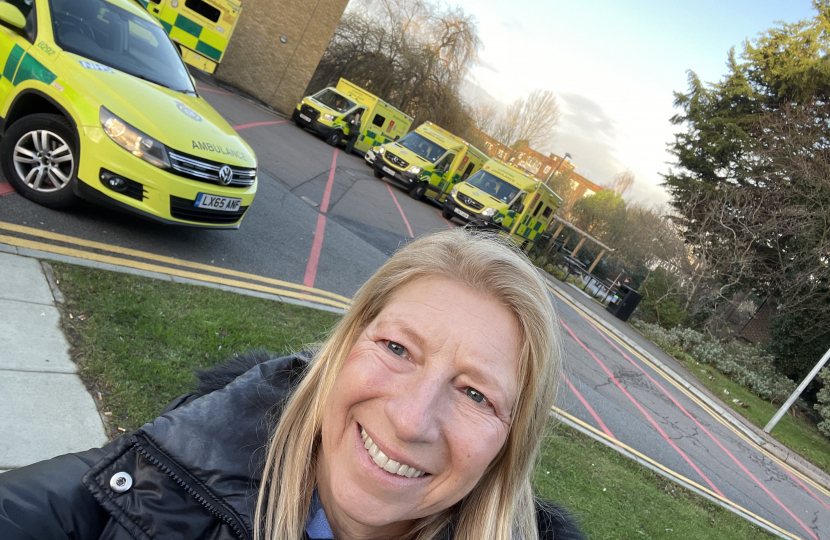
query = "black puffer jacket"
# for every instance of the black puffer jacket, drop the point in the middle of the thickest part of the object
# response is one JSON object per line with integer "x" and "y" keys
{"x": 192, "y": 473}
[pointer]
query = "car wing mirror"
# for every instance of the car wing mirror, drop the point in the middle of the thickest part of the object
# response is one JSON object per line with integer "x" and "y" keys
{"x": 11, "y": 16}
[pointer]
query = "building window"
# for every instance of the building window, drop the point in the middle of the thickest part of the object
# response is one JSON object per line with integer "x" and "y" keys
{"x": 547, "y": 169}
{"x": 379, "y": 120}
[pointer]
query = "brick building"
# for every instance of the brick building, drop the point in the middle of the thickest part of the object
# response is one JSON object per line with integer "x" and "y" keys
{"x": 276, "y": 48}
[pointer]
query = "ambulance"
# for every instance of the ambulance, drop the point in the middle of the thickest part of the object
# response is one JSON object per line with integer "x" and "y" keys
{"x": 429, "y": 162}
{"x": 503, "y": 198}
{"x": 330, "y": 112}
{"x": 202, "y": 28}
{"x": 96, "y": 103}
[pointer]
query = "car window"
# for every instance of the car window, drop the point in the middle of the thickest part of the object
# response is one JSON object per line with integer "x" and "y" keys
{"x": 119, "y": 39}
{"x": 27, "y": 8}
{"x": 493, "y": 185}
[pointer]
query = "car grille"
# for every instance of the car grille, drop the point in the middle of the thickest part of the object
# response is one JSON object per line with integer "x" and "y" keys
{"x": 184, "y": 209}
{"x": 208, "y": 171}
{"x": 469, "y": 202}
{"x": 395, "y": 160}
{"x": 310, "y": 111}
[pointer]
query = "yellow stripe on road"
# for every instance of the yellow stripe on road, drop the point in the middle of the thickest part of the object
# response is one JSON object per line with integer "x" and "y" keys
{"x": 714, "y": 414}
{"x": 670, "y": 472}
{"x": 163, "y": 259}
{"x": 70, "y": 252}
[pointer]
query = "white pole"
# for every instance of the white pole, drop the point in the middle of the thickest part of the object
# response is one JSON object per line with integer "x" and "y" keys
{"x": 784, "y": 408}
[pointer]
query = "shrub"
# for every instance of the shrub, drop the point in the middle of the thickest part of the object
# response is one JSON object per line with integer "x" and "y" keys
{"x": 823, "y": 405}
{"x": 746, "y": 365}
{"x": 795, "y": 356}
{"x": 658, "y": 304}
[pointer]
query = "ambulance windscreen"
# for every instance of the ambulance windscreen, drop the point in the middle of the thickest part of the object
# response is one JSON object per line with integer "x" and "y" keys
{"x": 422, "y": 146}
{"x": 493, "y": 185}
{"x": 334, "y": 100}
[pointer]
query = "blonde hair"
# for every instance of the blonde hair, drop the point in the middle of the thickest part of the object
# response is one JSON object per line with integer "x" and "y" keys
{"x": 500, "y": 506}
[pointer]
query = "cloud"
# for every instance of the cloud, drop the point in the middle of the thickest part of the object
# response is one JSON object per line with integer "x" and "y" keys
{"x": 513, "y": 25}
{"x": 587, "y": 117}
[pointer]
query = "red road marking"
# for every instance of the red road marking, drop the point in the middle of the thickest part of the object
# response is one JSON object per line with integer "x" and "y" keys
{"x": 400, "y": 210}
{"x": 648, "y": 416}
{"x": 449, "y": 224}
{"x": 317, "y": 245}
{"x": 5, "y": 188}
{"x": 587, "y": 406}
{"x": 706, "y": 431}
{"x": 255, "y": 124}
{"x": 212, "y": 90}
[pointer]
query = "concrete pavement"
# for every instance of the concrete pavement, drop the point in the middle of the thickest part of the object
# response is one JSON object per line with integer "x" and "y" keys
{"x": 45, "y": 410}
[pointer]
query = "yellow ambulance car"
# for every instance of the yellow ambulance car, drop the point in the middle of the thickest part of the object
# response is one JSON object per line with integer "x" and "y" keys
{"x": 330, "y": 112}
{"x": 430, "y": 161}
{"x": 201, "y": 27}
{"x": 504, "y": 198}
{"x": 95, "y": 102}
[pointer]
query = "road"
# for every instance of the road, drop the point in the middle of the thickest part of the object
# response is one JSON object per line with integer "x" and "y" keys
{"x": 321, "y": 223}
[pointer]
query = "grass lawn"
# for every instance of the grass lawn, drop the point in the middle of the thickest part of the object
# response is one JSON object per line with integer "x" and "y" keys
{"x": 138, "y": 340}
{"x": 795, "y": 432}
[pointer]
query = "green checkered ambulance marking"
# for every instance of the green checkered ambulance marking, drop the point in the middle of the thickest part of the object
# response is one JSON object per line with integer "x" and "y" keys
{"x": 375, "y": 139}
{"x": 12, "y": 61}
{"x": 192, "y": 34}
{"x": 32, "y": 69}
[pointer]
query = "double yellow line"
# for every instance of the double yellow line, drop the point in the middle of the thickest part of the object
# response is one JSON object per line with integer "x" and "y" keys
{"x": 669, "y": 472}
{"x": 271, "y": 286}
{"x": 714, "y": 414}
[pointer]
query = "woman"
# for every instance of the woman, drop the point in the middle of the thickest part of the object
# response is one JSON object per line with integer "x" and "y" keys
{"x": 420, "y": 417}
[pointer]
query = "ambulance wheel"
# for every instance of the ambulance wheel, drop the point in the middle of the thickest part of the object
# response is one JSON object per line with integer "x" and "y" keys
{"x": 334, "y": 138}
{"x": 39, "y": 155}
{"x": 295, "y": 116}
{"x": 418, "y": 191}
{"x": 446, "y": 212}
{"x": 378, "y": 174}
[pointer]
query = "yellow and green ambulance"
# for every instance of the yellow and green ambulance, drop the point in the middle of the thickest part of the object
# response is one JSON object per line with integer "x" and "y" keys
{"x": 95, "y": 102}
{"x": 331, "y": 111}
{"x": 430, "y": 161}
{"x": 506, "y": 199}
{"x": 202, "y": 28}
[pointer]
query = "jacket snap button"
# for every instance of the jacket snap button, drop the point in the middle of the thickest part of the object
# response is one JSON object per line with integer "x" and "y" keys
{"x": 121, "y": 482}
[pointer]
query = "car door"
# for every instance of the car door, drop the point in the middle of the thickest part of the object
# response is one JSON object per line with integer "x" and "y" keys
{"x": 14, "y": 42}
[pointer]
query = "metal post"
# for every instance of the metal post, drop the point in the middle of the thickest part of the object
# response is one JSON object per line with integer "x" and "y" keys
{"x": 567, "y": 155}
{"x": 784, "y": 408}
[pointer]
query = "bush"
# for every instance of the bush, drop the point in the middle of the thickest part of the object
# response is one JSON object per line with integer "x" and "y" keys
{"x": 823, "y": 405}
{"x": 794, "y": 355}
{"x": 746, "y": 365}
{"x": 658, "y": 305}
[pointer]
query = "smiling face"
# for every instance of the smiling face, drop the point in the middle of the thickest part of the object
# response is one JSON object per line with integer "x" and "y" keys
{"x": 420, "y": 408}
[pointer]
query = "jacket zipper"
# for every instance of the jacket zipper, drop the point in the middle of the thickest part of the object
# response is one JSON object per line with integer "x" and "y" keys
{"x": 205, "y": 499}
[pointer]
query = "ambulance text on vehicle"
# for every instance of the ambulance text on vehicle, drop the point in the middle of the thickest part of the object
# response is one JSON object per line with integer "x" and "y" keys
{"x": 95, "y": 102}
{"x": 329, "y": 113}
{"x": 506, "y": 199}
{"x": 430, "y": 161}
{"x": 202, "y": 28}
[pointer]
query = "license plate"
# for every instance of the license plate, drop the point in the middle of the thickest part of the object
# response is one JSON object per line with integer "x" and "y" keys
{"x": 461, "y": 213}
{"x": 389, "y": 171}
{"x": 227, "y": 204}
{"x": 304, "y": 117}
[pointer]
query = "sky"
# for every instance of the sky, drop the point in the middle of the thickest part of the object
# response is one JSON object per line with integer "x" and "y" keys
{"x": 613, "y": 66}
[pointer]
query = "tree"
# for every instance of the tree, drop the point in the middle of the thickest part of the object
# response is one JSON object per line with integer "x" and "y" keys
{"x": 597, "y": 213}
{"x": 412, "y": 53}
{"x": 622, "y": 182}
{"x": 532, "y": 119}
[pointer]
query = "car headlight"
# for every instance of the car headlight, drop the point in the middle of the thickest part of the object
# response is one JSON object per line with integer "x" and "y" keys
{"x": 380, "y": 150}
{"x": 489, "y": 212}
{"x": 454, "y": 192}
{"x": 415, "y": 170}
{"x": 329, "y": 117}
{"x": 134, "y": 141}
